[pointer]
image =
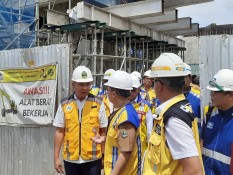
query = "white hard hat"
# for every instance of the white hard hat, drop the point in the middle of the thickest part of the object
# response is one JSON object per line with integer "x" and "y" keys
{"x": 135, "y": 81}
{"x": 108, "y": 73}
{"x": 82, "y": 74}
{"x": 147, "y": 74}
{"x": 168, "y": 65}
{"x": 137, "y": 74}
{"x": 222, "y": 81}
{"x": 188, "y": 69}
{"x": 120, "y": 80}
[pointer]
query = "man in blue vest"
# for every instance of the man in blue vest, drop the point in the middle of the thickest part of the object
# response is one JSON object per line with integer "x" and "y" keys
{"x": 217, "y": 131}
{"x": 192, "y": 93}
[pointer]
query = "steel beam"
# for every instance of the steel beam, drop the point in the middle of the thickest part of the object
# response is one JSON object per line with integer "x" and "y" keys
{"x": 87, "y": 12}
{"x": 138, "y": 9}
{"x": 168, "y": 17}
{"x": 194, "y": 30}
{"x": 182, "y": 23}
{"x": 57, "y": 18}
{"x": 172, "y": 4}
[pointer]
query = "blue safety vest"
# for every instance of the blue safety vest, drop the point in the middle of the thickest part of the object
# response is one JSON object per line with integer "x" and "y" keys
{"x": 218, "y": 140}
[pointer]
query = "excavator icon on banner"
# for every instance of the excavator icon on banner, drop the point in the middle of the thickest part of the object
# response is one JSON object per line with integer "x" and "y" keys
{"x": 13, "y": 107}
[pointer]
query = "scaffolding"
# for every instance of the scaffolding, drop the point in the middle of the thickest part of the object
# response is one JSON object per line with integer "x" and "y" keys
{"x": 17, "y": 21}
{"x": 109, "y": 41}
{"x": 101, "y": 48}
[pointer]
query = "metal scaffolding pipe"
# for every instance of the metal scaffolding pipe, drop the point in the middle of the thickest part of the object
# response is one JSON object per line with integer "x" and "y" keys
{"x": 37, "y": 23}
{"x": 17, "y": 36}
{"x": 129, "y": 54}
{"x": 116, "y": 52}
{"x": 95, "y": 52}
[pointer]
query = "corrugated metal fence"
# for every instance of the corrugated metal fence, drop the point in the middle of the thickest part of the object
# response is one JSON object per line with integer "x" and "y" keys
{"x": 29, "y": 151}
{"x": 195, "y": 69}
{"x": 215, "y": 53}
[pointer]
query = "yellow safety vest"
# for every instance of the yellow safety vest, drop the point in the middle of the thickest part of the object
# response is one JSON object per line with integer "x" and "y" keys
{"x": 152, "y": 96}
{"x": 206, "y": 109}
{"x": 112, "y": 152}
{"x": 194, "y": 86}
{"x": 77, "y": 140}
{"x": 158, "y": 159}
{"x": 94, "y": 90}
{"x": 142, "y": 108}
{"x": 151, "y": 93}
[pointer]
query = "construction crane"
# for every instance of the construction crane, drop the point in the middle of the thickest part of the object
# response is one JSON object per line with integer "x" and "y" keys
{"x": 13, "y": 107}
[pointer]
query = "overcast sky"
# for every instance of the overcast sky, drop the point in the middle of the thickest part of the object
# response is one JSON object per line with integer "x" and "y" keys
{"x": 217, "y": 11}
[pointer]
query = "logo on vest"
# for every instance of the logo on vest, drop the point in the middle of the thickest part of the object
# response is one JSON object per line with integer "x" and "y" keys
{"x": 158, "y": 129}
{"x": 69, "y": 108}
{"x": 210, "y": 125}
{"x": 187, "y": 108}
{"x": 141, "y": 108}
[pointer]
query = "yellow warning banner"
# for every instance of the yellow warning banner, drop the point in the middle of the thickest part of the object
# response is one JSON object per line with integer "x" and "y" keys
{"x": 28, "y": 75}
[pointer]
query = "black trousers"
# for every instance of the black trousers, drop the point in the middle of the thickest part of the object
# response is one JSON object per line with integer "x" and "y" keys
{"x": 89, "y": 168}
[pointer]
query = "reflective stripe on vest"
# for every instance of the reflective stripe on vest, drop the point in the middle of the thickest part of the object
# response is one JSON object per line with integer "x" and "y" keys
{"x": 195, "y": 92}
{"x": 77, "y": 140}
{"x": 141, "y": 109}
{"x": 112, "y": 150}
{"x": 216, "y": 155}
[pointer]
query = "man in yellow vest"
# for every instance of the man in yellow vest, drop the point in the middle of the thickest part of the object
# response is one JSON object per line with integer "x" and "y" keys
{"x": 108, "y": 105}
{"x": 144, "y": 113}
{"x": 148, "y": 85}
{"x": 122, "y": 155}
{"x": 80, "y": 124}
{"x": 173, "y": 147}
{"x": 148, "y": 88}
{"x": 143, "y": 93}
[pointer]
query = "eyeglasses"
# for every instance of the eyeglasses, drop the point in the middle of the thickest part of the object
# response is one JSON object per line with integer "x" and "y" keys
{"x": 214, "y": 84}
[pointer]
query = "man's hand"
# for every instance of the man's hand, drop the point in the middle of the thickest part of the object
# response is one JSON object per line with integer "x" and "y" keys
{"x": 58, "y": 166}
{"x": 98, "y": 139}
